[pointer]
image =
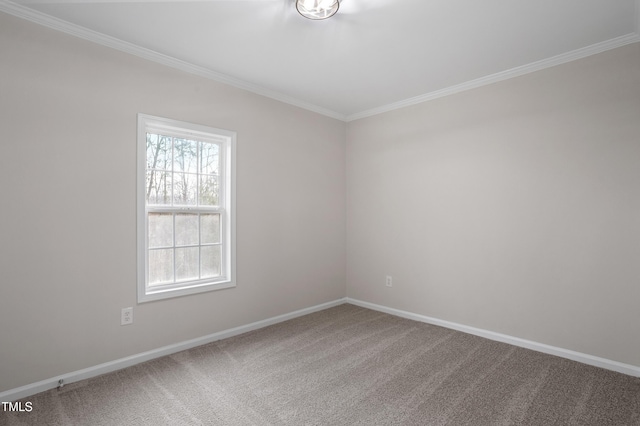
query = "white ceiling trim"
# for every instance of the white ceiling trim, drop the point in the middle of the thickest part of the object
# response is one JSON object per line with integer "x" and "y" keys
{"x": 112, "y": 42}
{"x": 123, "y": 46}
{"x": 503, "y": 75}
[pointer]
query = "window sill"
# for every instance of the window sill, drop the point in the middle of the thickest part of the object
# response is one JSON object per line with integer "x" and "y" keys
{"x": 164, "y": 293}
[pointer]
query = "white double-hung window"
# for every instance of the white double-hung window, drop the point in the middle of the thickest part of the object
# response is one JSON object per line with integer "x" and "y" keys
{"x": 186, "y": 214}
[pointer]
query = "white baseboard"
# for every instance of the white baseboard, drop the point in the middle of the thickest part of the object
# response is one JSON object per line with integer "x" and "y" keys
{"x": 107, "y": 367}
{"x": 608, "y": 364}
{"x": 87, "y": 373}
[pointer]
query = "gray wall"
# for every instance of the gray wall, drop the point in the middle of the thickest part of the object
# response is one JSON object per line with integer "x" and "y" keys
{"x": 68, "y": 217}
{"x": 513, "y": 208}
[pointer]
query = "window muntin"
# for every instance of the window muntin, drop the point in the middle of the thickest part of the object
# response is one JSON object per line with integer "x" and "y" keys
{"x": 185, "y": 203}
{"x": 183, "y": 246}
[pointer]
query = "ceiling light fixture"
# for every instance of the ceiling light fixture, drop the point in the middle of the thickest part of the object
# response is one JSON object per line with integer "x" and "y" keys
{"x": 317, "y": 9}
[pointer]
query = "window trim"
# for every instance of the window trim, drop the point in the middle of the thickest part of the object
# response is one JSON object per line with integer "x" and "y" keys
{"x": 227, "y": 141}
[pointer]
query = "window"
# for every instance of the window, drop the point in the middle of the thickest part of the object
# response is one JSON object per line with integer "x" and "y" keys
{"x": 186, "y": 199}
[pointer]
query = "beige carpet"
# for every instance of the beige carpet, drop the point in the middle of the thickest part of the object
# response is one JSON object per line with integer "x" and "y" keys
{"x": 346, "y": 366}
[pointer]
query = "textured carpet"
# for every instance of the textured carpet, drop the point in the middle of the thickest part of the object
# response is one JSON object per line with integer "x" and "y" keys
{"x": 346, "y": 366}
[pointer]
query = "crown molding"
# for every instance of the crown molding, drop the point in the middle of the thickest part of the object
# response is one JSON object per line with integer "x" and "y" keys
{"x": 504, "y": 75}
{"x": 123, "y": 46}
{"x": 151, "y": 55}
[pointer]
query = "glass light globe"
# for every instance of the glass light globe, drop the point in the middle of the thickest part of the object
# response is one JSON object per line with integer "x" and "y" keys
{"x": 317, "y": 9}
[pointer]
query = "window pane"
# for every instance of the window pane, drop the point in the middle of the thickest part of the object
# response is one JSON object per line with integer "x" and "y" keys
{"x": 186, "y": 264}
{"x": 158, "y": 152}
{"x": 185, "y": 155}
{"x": 209, "y": 158}
{"x": 208, "y": 190}
{"x": 160, "y": 230}
{"x": 210, "y": 261}
{"x": 210, "y": 228}
{"x": 160, "y": 266}
{"x": 185, "y": 188}
{"x": 186, "y": 229}
{"x": 158, "y": 188}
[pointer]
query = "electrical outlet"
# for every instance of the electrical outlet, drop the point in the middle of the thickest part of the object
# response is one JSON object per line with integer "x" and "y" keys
{"x": 126, "y": 316}
{"x": 389, "y": 282}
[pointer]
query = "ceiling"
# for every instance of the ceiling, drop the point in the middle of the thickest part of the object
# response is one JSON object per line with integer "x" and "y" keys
{"x": 372, "y": 56}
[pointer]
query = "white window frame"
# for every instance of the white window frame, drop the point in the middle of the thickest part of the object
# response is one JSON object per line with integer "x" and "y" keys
{"x": 227, "y": 141}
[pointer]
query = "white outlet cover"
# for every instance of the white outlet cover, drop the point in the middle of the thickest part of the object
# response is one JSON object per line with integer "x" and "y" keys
{"x": 126, "y": 316}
